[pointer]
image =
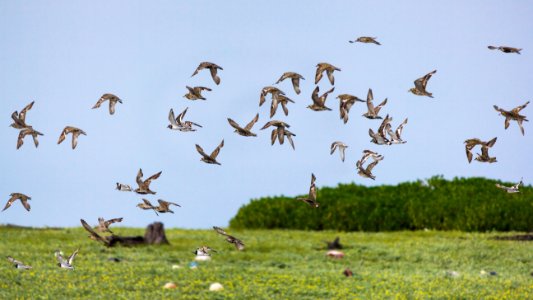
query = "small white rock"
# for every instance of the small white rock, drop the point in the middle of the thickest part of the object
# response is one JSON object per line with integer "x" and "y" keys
{"x": 170, "y": 285}
{"x": 215, "y": 287}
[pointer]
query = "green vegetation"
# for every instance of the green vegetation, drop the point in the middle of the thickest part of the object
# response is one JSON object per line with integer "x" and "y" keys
{"x": 472, "y": 204}
{"x": 277, "y": 264}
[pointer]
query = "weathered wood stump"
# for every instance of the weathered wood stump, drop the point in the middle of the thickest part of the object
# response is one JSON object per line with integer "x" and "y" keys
{"x": 155, "y": 234}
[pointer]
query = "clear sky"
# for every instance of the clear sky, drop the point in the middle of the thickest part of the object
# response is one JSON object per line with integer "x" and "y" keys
{"x": 66, "y": 54}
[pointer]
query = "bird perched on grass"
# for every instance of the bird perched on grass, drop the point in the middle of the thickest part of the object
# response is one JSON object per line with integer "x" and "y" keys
{"x": 366, "y": 40}
{"x": 144, "y": 185}
{"x": 230, "y": 239}
{"x": 246, "y": 131}
{"x": 213, "y": 68}
{"x": 76, "y": 132}
{"x": 420, "y": 85}
{"x": 65, "y": 263}
{"x": 113, "y": 99}
{"x": 295, "y": 78}
{"x": 514, "y": 115}
{"x": 18, "y": 196}
{"x": 329, "y": 69}
{"x": 210, "y": 159}
{"x": 506, "y": 49}
{"x": 511, "y": 189}
{"x": 18, "y": 264}
{"x": 311, "y": 197}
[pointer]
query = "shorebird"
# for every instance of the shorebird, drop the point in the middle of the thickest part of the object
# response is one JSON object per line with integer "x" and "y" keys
{"x": 279, "y": 131}
{"x": 273, "y": 91}
{"x": 511, "y": 189}
{"x": 212, "y": 68}
{"x": 92, "y": 234}
{"x": 66, "y": 263}
{"x": 420, "y": 85}
{"x": 210, "y": 159}
{"x": 346, "y": 101}
{"x": 329, "y": 69}
{"x": 484, "y": 156}
{"x": 195, "y": 93}
{"x": 280, "y": 99}
{"x": 367, "y": 172}
{"x": 287, "y": 134}
{"x": 177, "y": 123}
{"x": 230, "y": 239}
{"x": 395, "y": 136}
{"x": 164, "y": 206}
{"x": 246, "y": 131}
{"x": 471, "y": 143}
{"x": 75, "y": 134}
{"x": 319, "y": 102}
{"x": 311, "y": 197}
{"x": 373, "y": 112}
{"x": 147, "y": 205}
{"x": 18, "y": 264}
{"x": 506, "y": 49}
{"x": 514, "y": 115}
{"x": 370, "y": 154}
{"x": 18, "y": 196}
{"x": 103, "y": 225}
{"x": 112, "y": 102}
{"x": 123, "y": 187}
{"x": 342, "y": 147}
{"x": 380, "y": 137}
{"x": 144, "y": 185}
{"x": 335, "y": 245}
{"x": 203, "y": 251}
{"x": 19, "y": 119}
{"x": 295, "y": 78}
{"x": 366, "y": 40}
{"x": 28, "y": 131}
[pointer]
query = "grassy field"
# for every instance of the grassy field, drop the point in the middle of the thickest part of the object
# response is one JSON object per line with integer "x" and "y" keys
{"x": 276, "y": 265}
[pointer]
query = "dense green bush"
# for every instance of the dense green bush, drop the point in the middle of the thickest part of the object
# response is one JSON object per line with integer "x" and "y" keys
{"x": 468, "y": 204}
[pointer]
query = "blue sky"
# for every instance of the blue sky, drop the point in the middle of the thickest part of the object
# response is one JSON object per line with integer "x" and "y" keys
{"x": 66, "y": 54}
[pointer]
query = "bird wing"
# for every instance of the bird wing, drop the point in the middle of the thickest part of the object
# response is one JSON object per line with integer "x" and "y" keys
{"x": 318, "y": 75}
{"x": 273, "y": 106}
{"x": 251, "y": 124}
{"x": 333, "y": 147}
{"x": 25, "y": 203}
{"x": 378, "y": 108}
{"x": 519, "y": 108}
{"x": 400, "y": 128}
{"x": 22, "y": 114}
{"x": 172, "y": 118}
{"x": 139, "y": 177}
{"x": 63, "y": 135}
{"x": 111, "y": 221}
{"x": 291, "y": 141}
{"x": 369, "y": 99}
{"x": 215, "y": 152}
{"x": 312, "y": 188}
{"x": 491, "y": 142}
{"x": 147, "y": 202}
{"x": 100, "y": 101}
{"x": 371, "y": 166}
{"x": 273, "y": 136}
{"x": 296, "y": 84}
{"x": 330, "y": 76}
{"x": 201, "y": 151}
{"x": 13, "y": 198}
{"x": 153, "y": 177}
{"x": 220, "y": 231}
{"x": 234, "y": 124}
{"x": 72, "y": 256}
{"x": 214, "y": 75}
{"x": 315, "y": 97}
{"x": 468, "y": 154}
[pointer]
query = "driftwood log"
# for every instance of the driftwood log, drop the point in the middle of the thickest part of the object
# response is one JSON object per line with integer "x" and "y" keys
{"x": 154, "y": 235}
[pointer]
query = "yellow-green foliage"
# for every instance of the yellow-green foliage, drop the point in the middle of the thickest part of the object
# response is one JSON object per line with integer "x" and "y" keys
{"x": 277, "y": 264}
{"x": 473, "y": 204}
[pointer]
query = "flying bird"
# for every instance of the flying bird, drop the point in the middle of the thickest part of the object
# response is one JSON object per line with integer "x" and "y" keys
{"x": 373, "y": 112}
{"x": 484, "y": 156}
{"x": 346, "y": 101}
{"x": 367, "y": 172}
{"x": 230, "y": 239}
{"x": 147, "y": 205}
{"x": 103, "y": 225}
{"x": 18, "y": 264}
{"x": 177, "y": 123}
{"x": 380, "y": 137}
{"x": 19, "y": 119}
{"x": 506, "y": 49}
{"x": 144, "y": 185}
{"x": 311, "y": 197}
{"x": 514, "y": 115}
{"x": 92, "y": 234}
{"x": 195, "y": 93}
{"x": 295, "y": 78}
{"x": 28, "y": 131}
{"x": 395, "y": 136}
{"x": 66, "y": 263}
{"x": 280, "y": 99}
{"x": 123, "y": 187}
{"x": 75, "y": 134}
{"x": 420, "y": 85}
{"x": 279, "y": 132}
{"x": 366, "y": 40}
{"x": 471, "y": 143}
{"x": 212, "y": 68}
{"x": 511, "y": 189}
{"x": 164, "y": 206}
{"x": 113, "y": 99}
{"x": 319, "y": 102}
{"x": 329, "y": 69}
{"x": 210, "y": 159}
{"x": 273, "y": 91}
{"x": 18, "y": 196}
{"x": 246, "y": 131}
{"x": 341, "y": 146}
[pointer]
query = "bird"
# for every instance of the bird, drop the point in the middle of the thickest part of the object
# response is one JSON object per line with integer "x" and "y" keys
{"x": 366, "y": 40}
{"x": 395, "y": 136}
{"x": 287, "y": 134}
{"x": 371, "y": 154}
{"x": 113, "y": 99}
{"x": 484, "y": 156}
{"x": 511, "y": 189}
{"x": 230, "y": 239}
{"x": 329, "y": 69}
{"x": 246, "y": 131}
{"x": 514, "y": 115}
{"x": 66, "y": 263}
{"x": 210, "y": 159}
{"x": 380, "y": 137}
{"x": 177, "y": 123}
{"x": 471, "y": 143}
{"x": 28, "y": 131}
{"x": 279, "y": 132}
{"x": 341, "y": 146}
{"x": 319, "y": 102}
{"x": 420, "y": 85}
{"x": 203, "y": 251}
{"x": 335, "y": 245}
{"x": 311, "y": 197}
{"x": 147, "y": 205}
{"x": 506, "y": 49}
{"x": 144, "y": 185}
{"x": 92, "y": 234}
{"x": 18, "y": 264}
{"x": 164, "y": 206}
{"x": 103, "y": 225}
{"x": 367, "y": 172}
{"x": 280, "y": 99}
{"x": 373, "y": 112}
{"x": 75, "y": 134}
{"x": 19, "y": 119}
{"x": 195, "y": 93}
{"x": 273, "y": 91}
{"x": 123, "y": 187}
{"x": 295, "y": 78}
{"x": 212, "y": 68}
{"x": 347, "y": 272}
{"x": 18, "y": 196}
{"x": 346, "y": 101}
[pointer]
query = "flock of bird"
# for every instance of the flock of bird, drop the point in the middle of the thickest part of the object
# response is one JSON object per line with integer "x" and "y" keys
{"x": 384, "y": 135}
